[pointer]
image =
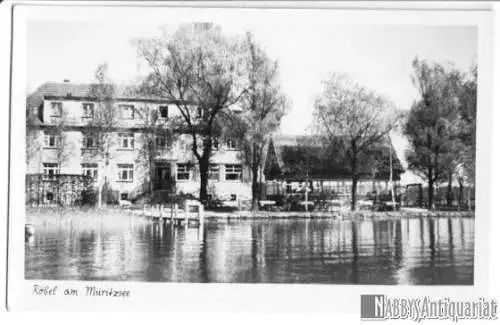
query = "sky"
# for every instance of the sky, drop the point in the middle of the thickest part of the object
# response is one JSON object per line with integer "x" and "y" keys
{"x": 376, "y": 55}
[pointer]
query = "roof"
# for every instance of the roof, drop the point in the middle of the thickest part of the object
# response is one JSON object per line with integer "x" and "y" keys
{"x": 290, "y": 155}
{"x": 74, "y": 90}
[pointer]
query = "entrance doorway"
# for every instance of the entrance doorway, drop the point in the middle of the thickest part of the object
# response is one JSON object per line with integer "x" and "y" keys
{"x": 163, "y": 177}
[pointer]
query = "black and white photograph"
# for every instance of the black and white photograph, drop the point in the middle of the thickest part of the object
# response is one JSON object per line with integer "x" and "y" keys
{"x": 164, "y": 145}
{"x": 219, "y": 151}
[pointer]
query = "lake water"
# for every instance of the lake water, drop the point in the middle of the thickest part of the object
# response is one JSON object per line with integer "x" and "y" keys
{"x": 411, "y": 251}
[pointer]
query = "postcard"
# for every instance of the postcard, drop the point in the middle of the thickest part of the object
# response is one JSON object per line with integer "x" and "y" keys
{"x": 265, "y": 157}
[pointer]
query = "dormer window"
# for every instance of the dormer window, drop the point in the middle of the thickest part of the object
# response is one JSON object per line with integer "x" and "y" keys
{"x": 127, "y": 111}
{"x": 88, "y": 110}
{"x": 163, "y": 112}
{"x": 55, "y": 109}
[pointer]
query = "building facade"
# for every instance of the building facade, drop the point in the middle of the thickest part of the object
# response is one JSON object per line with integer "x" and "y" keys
{"x": 130, "y": 153}
{"x": 292, "y": 162}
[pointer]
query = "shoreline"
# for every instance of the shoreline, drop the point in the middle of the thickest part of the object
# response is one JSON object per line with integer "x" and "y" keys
{"x": 124, "y": 216}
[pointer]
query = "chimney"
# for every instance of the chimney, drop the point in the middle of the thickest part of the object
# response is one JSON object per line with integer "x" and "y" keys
{"x": 67, "y": 81}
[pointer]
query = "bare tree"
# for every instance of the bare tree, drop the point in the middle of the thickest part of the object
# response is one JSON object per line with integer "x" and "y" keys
{"x": 56, "y": 137}
{"x": 353, "y": 119}
{"x": 33, "y": 145}
{"x": 264, "y": 105}
{"x": 201, "y": 71}
{"x": 156, "y": 138}
{"x": 102, "y": 123}
{"x": 64, "y": 146}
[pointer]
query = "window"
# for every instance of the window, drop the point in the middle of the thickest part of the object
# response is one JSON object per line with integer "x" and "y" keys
{"x": 127, "y": 111}
{"x": 50, "y": 197}
{"x": 124, "y": 196}
{"x": 213, "y": 172}
{"x": 55, "y": 109}
{"x": 90, "y": 170}
{"x": 233, "y": 197}
{"x": 89, "y": 142}
{"x": 161, "y": 142}
{"x": 88, "y": 110}
{"x": 52, "y": 140}
{"x": 125, "y": 172}
{"x": 231, "y": 144}
{"x": 50, "y": 170}
{"x": 126, "y": 141}
{"x": 163, "y": 112}
{"x": 183, "y": 172}
{"x": 233, "y": 172}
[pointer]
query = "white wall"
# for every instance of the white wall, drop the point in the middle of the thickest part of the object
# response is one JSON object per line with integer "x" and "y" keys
{"x": 180, "y": 152}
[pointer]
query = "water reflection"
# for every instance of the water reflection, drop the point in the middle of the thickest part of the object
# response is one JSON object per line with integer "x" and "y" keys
{"x": 414, "y": 251}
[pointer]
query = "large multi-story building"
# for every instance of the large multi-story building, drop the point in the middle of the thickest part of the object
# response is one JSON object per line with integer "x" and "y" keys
{"x": 61, "y": 139}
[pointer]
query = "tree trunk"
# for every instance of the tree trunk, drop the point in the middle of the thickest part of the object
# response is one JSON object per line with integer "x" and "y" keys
{"x": 104, "y": 191}
{"x": 353, "y": 192}
{"x": 430, "y": 194}
{"x": 103, "y": 195}
{"x": 469, "y": 205}
{"x": 204, "y": 164}
{"x": 99, "y": 196}
{"x": 460, "y": 191}
{"x": 449, "y": 192}
{"x": 420, "y": 197}
{"x": 255, "y": 186}
{"x": 151, "y": 176}
{"x": 354, "y": 171}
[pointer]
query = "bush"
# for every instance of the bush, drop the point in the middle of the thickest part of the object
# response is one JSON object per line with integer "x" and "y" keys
{"x": 181, "y": 197}
{"x": 89, "y": 197}
{"x": 109, "y": 195}
{"x": 278, "y": 198}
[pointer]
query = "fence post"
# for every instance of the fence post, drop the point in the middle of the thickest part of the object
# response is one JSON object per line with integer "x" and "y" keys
{"x": 201, "y": 214}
